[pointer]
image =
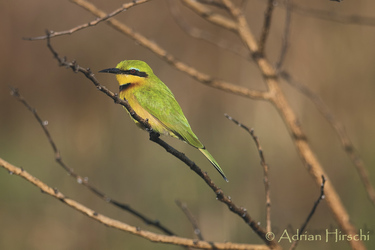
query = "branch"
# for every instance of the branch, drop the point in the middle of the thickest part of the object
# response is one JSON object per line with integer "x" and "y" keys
{"x": 204, "y": 35}
{"x": 278, "y": 99}
{"x": 84, "y": 181}
{"x": 286, "y": 35}
{"x": 162, "y": 53}
{"x": 266, "y": 26}
{"x": 265, "y": 171}
{"x": 321, "y": 197}
{"x": 191, "y": 218}
{"x": 334, "y": 17}
{"x": 240, "y": 211}
{"x": 140, "y": 39}
{"x": 124, "y": 7}
{"x": 340, "y": 130}
{"x": 210, "y": 16}
{"x": 118, "y": 224}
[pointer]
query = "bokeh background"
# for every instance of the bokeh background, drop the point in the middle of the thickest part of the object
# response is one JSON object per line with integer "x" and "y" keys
{"x": 98, "y": 140}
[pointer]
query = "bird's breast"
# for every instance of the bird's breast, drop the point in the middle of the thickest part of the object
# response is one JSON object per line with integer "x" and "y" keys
{"x": 128, "y": 94}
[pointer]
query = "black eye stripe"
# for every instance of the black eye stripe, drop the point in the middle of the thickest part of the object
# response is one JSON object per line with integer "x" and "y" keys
{"x": 134, "y": 72}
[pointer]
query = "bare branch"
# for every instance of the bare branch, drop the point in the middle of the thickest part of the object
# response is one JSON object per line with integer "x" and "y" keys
{"x": 240, "y": 211}
{"x": 340, "y": 130}
{"x": 286, "y": 35}
{"x": 194, "y": 73}
{"x": 204, "y": 35}
{"x": 90, "y": 24}
{"x": 85, "y": 181}
{"x": 265, "y": 170}
{"x": 266, "y": 26}
{"x": 216, "y": 3}
{"x": 334, "y": 17}
{"x": 278, "y": 99}
{"x": 120, "y": 225}
{"x": 210, "y": 15}
{"x": 191, "y": 218}
{"x": 321, "y": 197}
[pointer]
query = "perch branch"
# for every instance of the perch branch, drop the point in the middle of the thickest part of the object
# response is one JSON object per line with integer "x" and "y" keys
{"x": 240, "y": 211}
{"x": 194, "y": 73}
{"x": 84, "y": 181}
{"x": 120, "y": 225}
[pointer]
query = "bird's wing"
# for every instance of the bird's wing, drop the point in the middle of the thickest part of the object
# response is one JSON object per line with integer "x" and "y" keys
{"x": 160, "y": 103}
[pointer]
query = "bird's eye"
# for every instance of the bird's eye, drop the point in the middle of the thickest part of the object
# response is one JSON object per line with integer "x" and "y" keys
{"x": 133, "y": 71}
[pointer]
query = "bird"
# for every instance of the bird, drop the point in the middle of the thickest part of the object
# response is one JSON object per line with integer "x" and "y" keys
{"x": 152, "y": 100}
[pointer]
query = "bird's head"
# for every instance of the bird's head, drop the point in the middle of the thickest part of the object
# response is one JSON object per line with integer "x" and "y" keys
{"x": 130, "y": 71}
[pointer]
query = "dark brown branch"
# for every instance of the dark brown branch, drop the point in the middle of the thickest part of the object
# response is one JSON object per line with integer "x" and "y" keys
{"x": 84, "y": 181}
{"x": 216, "y": 3}
{"x": 89, "y": 24}
{"x": 265, "y": 170}
{"x": 321, "y": 197}
{"x": 240, "y": 211}
{"x": 286, "y": 35}
{"x": 191, "y": 219}
{"x": 334, "y": 17}
{"x": 266, "y": 26}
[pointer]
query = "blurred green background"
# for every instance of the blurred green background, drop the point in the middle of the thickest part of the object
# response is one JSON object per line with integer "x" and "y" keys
{"x": 98, "y": 139}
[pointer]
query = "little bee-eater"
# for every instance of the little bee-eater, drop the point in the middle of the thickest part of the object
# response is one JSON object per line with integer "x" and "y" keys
{"x": 151, "y": 99}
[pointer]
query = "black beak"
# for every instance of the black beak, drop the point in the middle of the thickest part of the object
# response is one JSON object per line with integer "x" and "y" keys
{"x": 111, "y": 70}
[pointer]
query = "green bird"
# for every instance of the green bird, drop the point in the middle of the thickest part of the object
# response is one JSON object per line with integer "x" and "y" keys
{"x": 151, "y": 99}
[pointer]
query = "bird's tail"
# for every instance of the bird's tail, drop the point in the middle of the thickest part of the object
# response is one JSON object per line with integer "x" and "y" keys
{"x": 213, "y": 162}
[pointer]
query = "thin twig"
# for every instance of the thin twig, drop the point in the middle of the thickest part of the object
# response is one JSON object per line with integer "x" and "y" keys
{"x": 204, "y": 35}
{"x": 334, "y": 17}
{"x": 240, "y": 211}
{"x": 278, "y": 99}
{"x": 340, "y": 130}
{"x": 265, "y": 170}
{"x": 124, "y": 7}
{"x": 155, "y": 48}
{"x": 162, "y": 53}
{"x": 159, "y": 238}
{"x": 266, "y": 26}
{"x": 210, "y": 15}
{"x": 85, "y": 181}
{"x": 321, "y": 197}
{"x": 216, "y": 3}
{"x": 191, "y": 219}
{"x": 286, "y": 35}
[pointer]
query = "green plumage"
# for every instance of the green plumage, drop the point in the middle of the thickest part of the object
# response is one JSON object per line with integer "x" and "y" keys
{"x": 151, "y": 99}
